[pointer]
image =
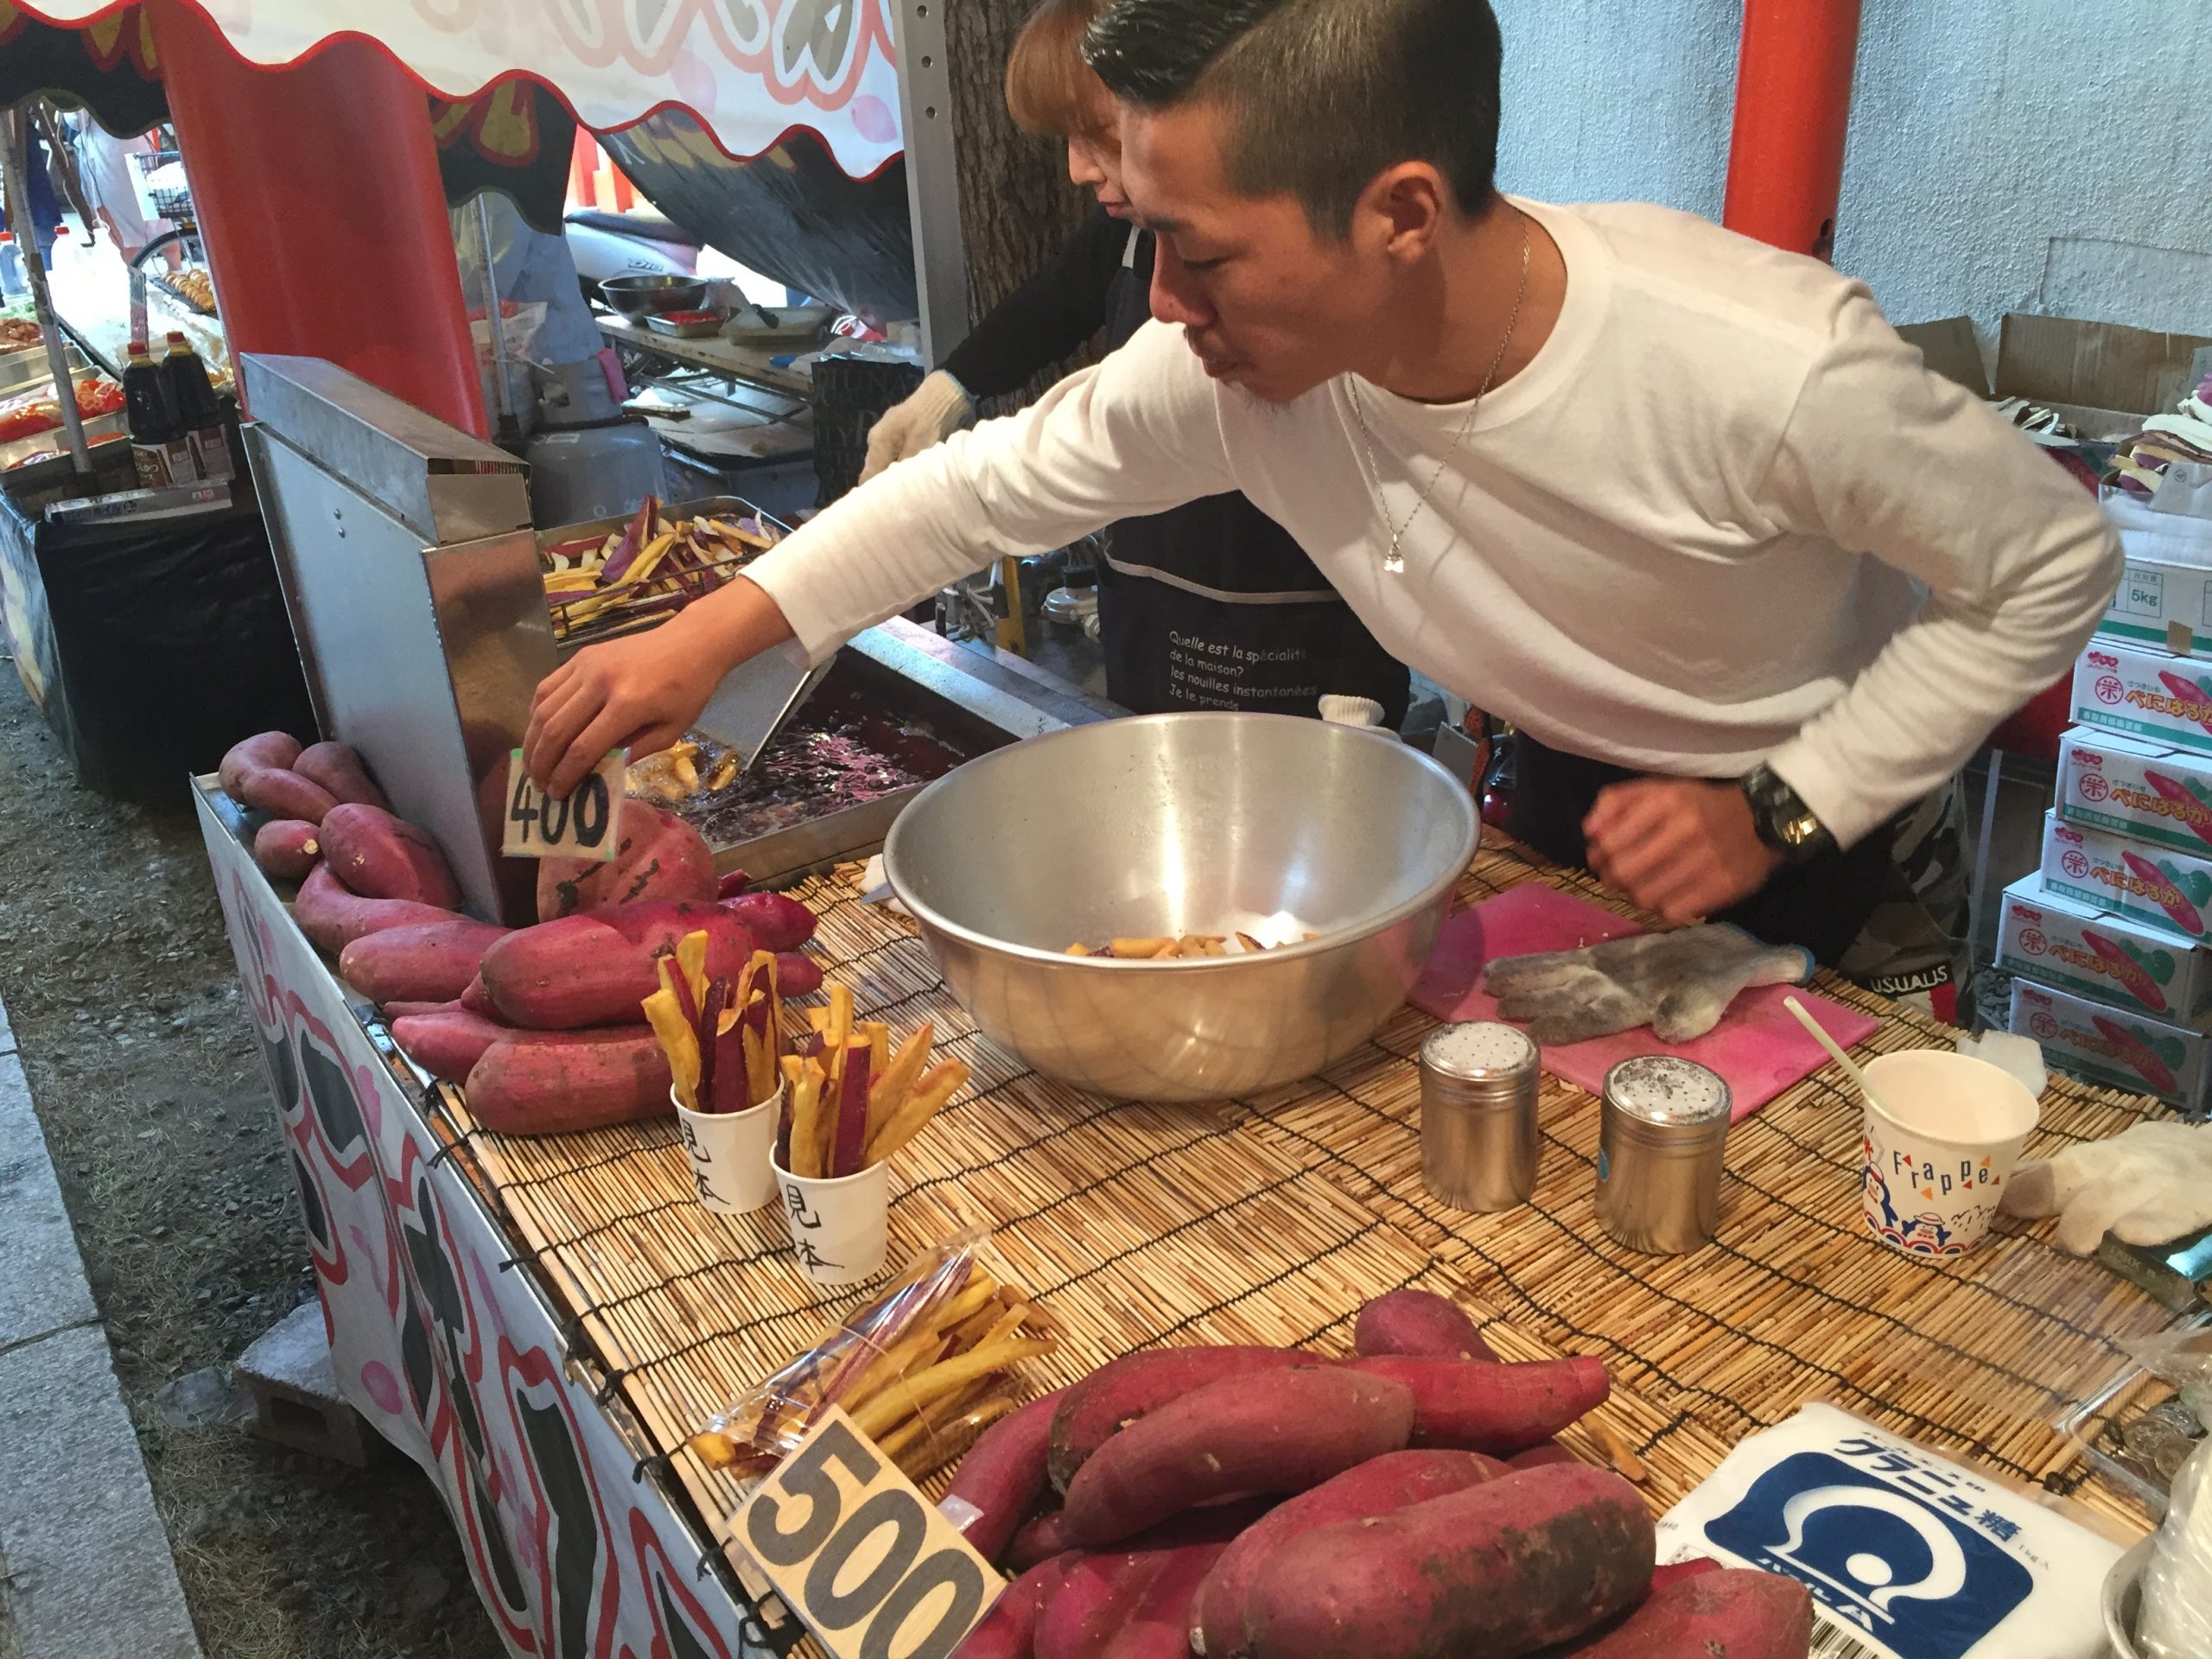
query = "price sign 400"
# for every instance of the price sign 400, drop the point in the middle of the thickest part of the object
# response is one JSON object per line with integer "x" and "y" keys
{"x": 868, "y": 1564}
{"x": 579, "y": 826}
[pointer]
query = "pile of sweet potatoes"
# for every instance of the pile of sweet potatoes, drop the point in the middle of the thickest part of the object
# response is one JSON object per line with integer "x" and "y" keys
{"x": 541, "y": 1025}
{"x": 1408, "y": 1503}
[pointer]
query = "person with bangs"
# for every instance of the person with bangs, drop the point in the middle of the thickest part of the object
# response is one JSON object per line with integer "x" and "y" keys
{"x": 1212, "y": 604}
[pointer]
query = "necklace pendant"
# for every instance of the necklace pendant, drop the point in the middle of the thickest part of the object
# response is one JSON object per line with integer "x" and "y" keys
{"x": 1394, "y": 561}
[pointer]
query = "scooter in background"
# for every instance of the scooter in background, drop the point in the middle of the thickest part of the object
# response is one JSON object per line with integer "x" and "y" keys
{"x": 606, "y": 244}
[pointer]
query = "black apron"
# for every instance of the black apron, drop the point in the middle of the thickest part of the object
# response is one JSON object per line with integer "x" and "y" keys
{"x": 1211, "y": 605}
{"x": 1822, "y": 904}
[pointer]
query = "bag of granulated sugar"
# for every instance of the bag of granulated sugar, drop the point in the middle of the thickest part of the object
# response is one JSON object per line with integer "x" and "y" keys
{"x": 1907, "y": 1554}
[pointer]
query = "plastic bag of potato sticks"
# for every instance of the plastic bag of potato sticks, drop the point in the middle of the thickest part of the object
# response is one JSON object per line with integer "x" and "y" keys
{"x": 921, "y": 1370}
{"x": 1907, "y": 1554}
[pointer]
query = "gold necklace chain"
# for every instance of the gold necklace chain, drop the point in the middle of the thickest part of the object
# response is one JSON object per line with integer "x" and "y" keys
{"x": 1394, "y": 561}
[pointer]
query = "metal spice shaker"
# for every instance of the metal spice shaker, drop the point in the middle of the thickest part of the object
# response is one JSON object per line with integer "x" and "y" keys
{"x": 1662, "y": 1128}
{"x": 1478, "y": 1085}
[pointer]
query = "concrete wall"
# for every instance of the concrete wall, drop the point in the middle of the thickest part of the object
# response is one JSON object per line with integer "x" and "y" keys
{"x": 2005, "y": 154}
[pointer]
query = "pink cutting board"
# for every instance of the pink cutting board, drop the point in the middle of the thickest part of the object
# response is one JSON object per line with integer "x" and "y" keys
{"x": 1757, "y": 1046}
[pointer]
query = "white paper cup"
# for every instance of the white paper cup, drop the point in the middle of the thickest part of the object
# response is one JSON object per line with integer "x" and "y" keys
{"x": 840, "y": 1228}
{"x": 732, "y": 1155}
{"x": 1940, "y": 1148}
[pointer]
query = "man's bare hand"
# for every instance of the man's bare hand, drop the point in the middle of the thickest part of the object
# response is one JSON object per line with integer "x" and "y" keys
{"x": 1679, "y": 847}
{"x": 641, "y": 694}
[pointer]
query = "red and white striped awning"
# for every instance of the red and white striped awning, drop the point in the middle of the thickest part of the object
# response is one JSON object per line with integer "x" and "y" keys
{"x": 752, "y": 70}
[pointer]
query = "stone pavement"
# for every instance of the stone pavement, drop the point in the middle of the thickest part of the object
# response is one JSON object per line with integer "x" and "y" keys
{"x": 87, "y": 1565}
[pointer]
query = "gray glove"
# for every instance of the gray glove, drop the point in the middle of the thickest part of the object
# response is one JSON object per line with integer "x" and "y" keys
{"x": 1679, "y": 983}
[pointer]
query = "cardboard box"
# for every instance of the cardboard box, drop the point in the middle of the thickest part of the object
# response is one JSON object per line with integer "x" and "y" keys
{"x": 2164, "y": 597}
{"x": 2167, "y": 891}
{"x": 2148, "y": 694}
{"x": 2108, "y": 1046}
{"x": 2106, "y": 958}
{"x": 2141, "y": 790}
{"x": 2101, "y": 376}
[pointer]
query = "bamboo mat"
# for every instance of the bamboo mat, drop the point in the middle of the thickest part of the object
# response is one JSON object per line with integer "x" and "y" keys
{"x": 1271, "y": 1219}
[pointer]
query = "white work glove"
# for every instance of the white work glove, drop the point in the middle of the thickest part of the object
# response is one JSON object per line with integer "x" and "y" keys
{"x": 2151, "y": 1185}
{"x": 1364, "y": 713}
{"x": 935, "y": 410}
{"x": 1679, "y": 983}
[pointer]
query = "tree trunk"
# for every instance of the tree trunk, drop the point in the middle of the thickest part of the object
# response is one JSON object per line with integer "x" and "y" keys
{"x": 1017, "y": 208}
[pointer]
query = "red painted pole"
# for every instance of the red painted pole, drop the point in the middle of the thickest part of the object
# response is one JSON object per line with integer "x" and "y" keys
{"x": 1793, "y": 105}
{"x": 317, "y": 191}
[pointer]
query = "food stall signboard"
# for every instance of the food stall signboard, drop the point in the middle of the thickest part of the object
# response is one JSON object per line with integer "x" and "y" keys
{"x": 580, "y": 826}
{"x": 869, "y": 1564}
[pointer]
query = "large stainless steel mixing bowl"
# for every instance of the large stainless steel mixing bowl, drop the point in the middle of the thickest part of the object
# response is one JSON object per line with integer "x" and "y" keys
{"x": 1176, "y": 824}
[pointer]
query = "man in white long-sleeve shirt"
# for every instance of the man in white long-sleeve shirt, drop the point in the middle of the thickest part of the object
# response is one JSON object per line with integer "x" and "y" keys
{"x": 1685, "y": 509}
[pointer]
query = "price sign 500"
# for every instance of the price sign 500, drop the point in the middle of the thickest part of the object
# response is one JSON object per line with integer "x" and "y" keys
{"x": 580, "y": 826}
{"x": 868, "y": 1564}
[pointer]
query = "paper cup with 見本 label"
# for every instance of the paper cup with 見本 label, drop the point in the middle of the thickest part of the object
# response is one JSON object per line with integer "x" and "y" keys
{"x": 1939, "y": 1146}
{"x": 731, "y": 1155}
{"x": 840, "y": 1225}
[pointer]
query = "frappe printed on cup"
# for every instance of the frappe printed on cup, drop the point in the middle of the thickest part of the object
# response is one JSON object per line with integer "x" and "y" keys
{"x": 1901, "y": 1195}
{"x": 1941, "y": 1133}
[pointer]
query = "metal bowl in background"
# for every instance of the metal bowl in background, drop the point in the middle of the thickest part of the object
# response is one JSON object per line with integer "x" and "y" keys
{"x": 649, "y": 292}
{"x": 1184, "y": 823}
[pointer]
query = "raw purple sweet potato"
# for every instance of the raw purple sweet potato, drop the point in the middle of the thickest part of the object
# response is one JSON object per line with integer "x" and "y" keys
{"x": 1538, "y": 1455}
{"x": 1124, "y": 1389}
{"x": 1535, "y": 1557}
{"x": 257, "y": 773}
{"x": 1483, "y": 1406}
{"x": 333, "y": 917}
{"x": 556, "y": 1083}
{"x": 1279, "y": 1431}
{"x": 1418, "y": 1322}
{"x": 1007, "y": 1631}
{"x": 659, "y": 857}
{"x": 1103, "y": 1591}
{"x": 779, "y": 921}
{"x": 1728, "y": 1613}
{"x": 477, "y": 999}
{"x": 256, "y": 754}
{"x": 286, "y": 848}
{"x": 1668, "y": 1573}
{"x": 1159, "y": 1622}
{"x": 1375, "y": 1487}
{"x": 403, "y": 1009}
{"x": 1039, "y": 1539}
{"x": 431, "y": 962}
{"x": 595, "y": 969}
{"x": 1003, "y": 1475}
{"x": 336, "y": 768}
{"x": 379, "y": 856}
{"x": 447, "y": 1044}
{"x": 797, "y": 974}
{"x": 1093, "y": 1599}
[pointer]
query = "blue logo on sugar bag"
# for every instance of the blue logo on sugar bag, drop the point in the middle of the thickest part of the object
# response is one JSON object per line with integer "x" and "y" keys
{"x": 1923, "y": 1575}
